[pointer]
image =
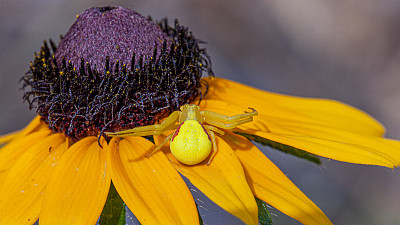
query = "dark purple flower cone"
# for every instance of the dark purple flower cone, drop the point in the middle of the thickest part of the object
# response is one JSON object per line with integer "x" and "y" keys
{"x": 110, "y": 31}
{"x": 114, "y": 70}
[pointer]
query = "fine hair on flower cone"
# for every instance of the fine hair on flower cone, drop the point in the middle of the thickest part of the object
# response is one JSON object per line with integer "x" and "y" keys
{"x": 129, "y": 110}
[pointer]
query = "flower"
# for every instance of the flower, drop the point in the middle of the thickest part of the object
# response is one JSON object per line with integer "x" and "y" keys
{"x": 55, "y": 169}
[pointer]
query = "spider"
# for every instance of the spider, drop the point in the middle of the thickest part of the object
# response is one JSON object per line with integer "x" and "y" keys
{"x": 194, "y": 136}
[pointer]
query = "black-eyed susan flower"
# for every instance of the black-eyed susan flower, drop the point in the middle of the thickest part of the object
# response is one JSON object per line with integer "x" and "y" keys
{"x": 115, "y": 70}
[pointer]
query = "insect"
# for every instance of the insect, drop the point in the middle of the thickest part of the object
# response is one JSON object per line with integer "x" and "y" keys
{"x": 194, "y": 135}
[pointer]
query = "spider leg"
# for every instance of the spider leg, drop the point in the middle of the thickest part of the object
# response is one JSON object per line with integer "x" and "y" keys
{"x": 155, "y": 129}
{"x": 214, "y": 146}
{"x": 160, "y": 145}
{"x": 146, "y": 133}
{"x": 223, "y": 133}
{"x": 227, "y": 119}
{"x": 216, "y": 130}
{"x": 226, "y": 122}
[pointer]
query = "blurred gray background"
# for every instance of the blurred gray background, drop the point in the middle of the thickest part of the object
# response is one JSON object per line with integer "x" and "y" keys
{"x": 348, "y": 50}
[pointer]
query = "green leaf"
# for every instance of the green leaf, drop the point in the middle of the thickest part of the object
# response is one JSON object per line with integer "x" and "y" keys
{"x": 150, "y": 138}
{"x": 264, "y": 217}
{"x": 283, "y": 148}
{"x": 114, "y": 209}
{"x": 198, "y": 212}
{"x": 122, "y": 218}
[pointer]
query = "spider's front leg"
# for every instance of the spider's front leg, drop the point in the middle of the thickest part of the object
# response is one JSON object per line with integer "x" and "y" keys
{"x": 228, "y": 122}
{"x": 156, "y": 129}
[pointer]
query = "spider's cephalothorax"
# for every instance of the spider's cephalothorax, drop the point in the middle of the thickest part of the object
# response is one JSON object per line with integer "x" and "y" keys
{"x": 114, "y": 70}
{"x": 194, "y": 136}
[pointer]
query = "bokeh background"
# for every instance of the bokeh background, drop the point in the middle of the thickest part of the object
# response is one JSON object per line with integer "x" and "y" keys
{"x": 348, "y": 50}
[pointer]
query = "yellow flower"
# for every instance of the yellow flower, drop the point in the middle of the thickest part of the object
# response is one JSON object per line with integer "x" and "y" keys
{"x": 44, "y": 175}
{"x": 62, "y": 174}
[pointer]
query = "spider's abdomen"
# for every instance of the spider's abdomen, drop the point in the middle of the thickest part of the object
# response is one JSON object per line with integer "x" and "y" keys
{"x": 190, "y": 143}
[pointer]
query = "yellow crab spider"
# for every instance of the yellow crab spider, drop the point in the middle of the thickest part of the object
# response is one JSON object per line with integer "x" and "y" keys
{"x": 194, "y": 135}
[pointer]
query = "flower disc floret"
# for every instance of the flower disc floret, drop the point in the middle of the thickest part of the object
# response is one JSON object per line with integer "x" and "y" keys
{"x": 134, "y": 80}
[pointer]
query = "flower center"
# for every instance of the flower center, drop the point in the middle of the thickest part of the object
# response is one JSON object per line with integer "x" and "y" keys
{"x": 115, "y": 32}
{"x": 105, "y": 8}
{"x": 114, "y": 70}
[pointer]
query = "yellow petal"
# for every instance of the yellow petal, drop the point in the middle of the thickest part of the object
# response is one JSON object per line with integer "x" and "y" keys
{"x": 323, "y": 140}
{"x": 78, "y": 188}
{"x": 271, "y": 185}
{"x": 330, "y": 148}
{"x": 150, "y": 187}
{"x": 305, "y": 110}
{"x": 8, "y": 137}
{"x": 354, "y": 145}
{"x": 223, "y": 181}
{"x": 22, "y": 193}
{"x": 34, "y": 125}
{"x": 13, "y": 150}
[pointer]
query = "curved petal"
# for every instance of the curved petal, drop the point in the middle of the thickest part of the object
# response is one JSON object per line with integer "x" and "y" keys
{"x": 371, "y": 146}
{"x": 269, "y": 184}
{"x": 8, "y": 137}
{"x": 78, "y": 188}
{"x": 350, "y": 151}
{"x": 10, "y": 153}
{"x": 151, "y": 187}
{"x": 22, "y": 193}
{"x": 305, "y": 110}
{"x": 34, "y": 125}
{"x": 322, "y": 140}
{"x": 223, "y": 181}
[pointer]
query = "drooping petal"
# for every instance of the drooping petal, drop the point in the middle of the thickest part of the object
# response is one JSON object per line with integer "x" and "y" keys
{"x": 373, "y": 151}
{"x": 223, "y": 181}
{"x": 22, "y": 193}
{"x": 10, "y": 153}
{"x": 323, "y": 140}
{"x": 269, "y": 184}
{"x": 150, "y": 187}
{"x": 78, "y": 188}
{"x": 305, "y": 110}
{"x": 32, "y": 126}
{"x": 350, "y": 146}
{"x": 8, "y": 137}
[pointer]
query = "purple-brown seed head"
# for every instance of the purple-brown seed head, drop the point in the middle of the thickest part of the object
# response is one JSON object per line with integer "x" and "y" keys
{"x": 114, "y": 70}
{"x": 110, "y": 31}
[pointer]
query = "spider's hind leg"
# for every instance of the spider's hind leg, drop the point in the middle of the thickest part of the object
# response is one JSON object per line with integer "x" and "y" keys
{"x": 214, "y": 143}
